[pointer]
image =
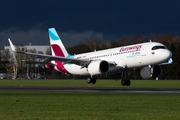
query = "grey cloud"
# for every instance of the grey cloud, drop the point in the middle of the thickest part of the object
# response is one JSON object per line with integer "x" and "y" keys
{"x": 37, "y": 37}
{"x": 72, "y": 38}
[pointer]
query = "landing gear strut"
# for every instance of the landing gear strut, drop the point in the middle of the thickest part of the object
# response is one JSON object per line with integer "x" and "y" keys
{"x": 126, "y": 82}
{"x": 91, "y": 80}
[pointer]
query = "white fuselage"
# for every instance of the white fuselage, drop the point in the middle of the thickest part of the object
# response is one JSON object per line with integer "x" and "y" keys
{"x": 131, "y": 56}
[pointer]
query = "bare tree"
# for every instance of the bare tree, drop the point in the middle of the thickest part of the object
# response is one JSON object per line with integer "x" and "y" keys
{"x": 48, "y": 51}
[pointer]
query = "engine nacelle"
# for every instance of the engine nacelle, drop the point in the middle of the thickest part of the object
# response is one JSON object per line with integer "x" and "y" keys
{"x": 154, "y": 72}
{"x": 98, "y": 67}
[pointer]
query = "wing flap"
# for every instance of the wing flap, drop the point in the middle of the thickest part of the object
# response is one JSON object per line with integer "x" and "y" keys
{"x": 43, "y": 63}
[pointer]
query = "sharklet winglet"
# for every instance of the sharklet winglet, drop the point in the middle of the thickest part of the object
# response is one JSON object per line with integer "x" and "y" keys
{"x": 11, "y": 45}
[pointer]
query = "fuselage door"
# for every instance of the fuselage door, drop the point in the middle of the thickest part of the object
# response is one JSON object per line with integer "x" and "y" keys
{"x": 143, "y": 50}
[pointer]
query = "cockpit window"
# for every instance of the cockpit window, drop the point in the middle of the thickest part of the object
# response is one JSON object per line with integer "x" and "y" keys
{"x": 158, "y": 47}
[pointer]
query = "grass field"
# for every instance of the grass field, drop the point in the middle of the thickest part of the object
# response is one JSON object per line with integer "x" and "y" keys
{"x": 99, "y": 83}
{"x": 88, "y": 106}
{"x": 16, "y": 105}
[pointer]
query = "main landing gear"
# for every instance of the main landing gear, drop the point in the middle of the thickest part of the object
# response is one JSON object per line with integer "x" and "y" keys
{"x": 126, "y": 82}
{"x": 91, "y": 80}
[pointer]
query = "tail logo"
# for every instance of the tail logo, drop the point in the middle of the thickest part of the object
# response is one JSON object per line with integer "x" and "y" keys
{"x": 57, "y": 50}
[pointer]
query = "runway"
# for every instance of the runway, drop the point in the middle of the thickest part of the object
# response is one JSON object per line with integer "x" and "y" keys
{"x": 88, "y": 89}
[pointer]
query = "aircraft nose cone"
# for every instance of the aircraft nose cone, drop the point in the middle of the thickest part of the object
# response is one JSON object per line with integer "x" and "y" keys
{"x": 170, "y": 54}
{"x": 167, "y": 54}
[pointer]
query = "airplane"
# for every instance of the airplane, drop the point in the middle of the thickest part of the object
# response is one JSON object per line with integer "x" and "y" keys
{"x": 146, "y": 56}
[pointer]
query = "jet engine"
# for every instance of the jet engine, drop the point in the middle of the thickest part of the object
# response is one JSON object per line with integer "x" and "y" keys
{"x": 98, "y": 67}
{"x": 154, "y": 72}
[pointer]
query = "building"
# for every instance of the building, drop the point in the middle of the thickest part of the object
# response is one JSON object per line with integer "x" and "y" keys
{"x": 22, "y": 62}
{"x": 42, "y": 49}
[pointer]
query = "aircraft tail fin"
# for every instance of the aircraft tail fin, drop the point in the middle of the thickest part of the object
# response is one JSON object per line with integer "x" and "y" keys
{"x": 57, "y": 46}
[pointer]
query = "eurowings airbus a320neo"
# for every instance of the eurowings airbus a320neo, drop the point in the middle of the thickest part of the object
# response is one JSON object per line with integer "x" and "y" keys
{"x": 146, "y": 56}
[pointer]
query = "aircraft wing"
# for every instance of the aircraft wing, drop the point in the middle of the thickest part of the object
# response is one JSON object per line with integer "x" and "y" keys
{"x": 65, "y": 60}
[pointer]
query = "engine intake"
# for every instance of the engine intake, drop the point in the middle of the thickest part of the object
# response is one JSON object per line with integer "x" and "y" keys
{"x": 154, "y": 72}
{"x": 98, "y": 67}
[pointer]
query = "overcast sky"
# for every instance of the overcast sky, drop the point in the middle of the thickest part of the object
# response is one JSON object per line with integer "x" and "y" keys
{"x": 27, "y": 21}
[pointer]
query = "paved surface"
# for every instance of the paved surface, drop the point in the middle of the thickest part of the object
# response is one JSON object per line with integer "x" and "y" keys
{"x": 85, "y": 89}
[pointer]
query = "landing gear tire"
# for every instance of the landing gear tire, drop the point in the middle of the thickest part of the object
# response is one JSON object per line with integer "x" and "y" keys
{"x": 91, "y": 80}
{"x": 123, "y": 82}
{"x": 126, "y": 82}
